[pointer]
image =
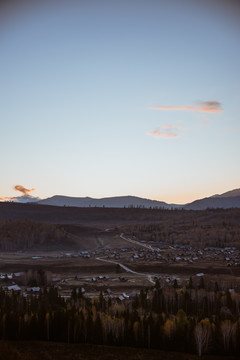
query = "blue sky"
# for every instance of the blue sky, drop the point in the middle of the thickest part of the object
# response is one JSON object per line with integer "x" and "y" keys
{"x": 80, "y": 81}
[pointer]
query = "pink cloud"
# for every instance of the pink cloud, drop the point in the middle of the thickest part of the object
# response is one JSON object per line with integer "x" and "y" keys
{"x": 164, "y": 134}
{"x": 23, "y": 190}
{"x": 207, "y": 106}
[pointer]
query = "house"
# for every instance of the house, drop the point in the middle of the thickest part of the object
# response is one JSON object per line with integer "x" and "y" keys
{"x": 14, "y": 288}
{"x": 33, "y": 289}
{"x": 132, "y": 295}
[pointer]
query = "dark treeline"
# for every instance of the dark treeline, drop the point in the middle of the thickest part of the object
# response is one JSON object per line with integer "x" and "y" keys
{"x": 115, "y": 216}
{"x": 24, "y": 234}
{"x": 188, "y": 319}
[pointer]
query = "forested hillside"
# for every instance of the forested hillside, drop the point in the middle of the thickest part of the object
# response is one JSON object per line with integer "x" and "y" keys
{"x": 25, "y": 234}
{"x": 208, "y": 228}
{"x": 191, "y": 319}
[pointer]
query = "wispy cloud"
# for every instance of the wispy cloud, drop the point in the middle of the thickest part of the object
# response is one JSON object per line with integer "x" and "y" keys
{"x": 163, "y": 134}
{"x": 171, "y": 127}
{"x": 167, "y": 131}
{"x": 207, "y": 106}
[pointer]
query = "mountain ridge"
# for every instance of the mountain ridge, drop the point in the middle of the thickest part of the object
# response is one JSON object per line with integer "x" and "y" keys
{"x": 225, "y": 200}
{"x": 116, "y": 201}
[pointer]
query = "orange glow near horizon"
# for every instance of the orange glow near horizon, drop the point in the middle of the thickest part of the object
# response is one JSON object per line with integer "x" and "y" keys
{"x": 180, "y": 199}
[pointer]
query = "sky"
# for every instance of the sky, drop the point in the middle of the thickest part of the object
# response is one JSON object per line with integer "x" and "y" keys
{"x": 106, "y": 98}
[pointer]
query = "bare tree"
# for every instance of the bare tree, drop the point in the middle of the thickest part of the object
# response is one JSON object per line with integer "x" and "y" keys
{"x": 228, "y": 330}
{"x": 202, "y": 334}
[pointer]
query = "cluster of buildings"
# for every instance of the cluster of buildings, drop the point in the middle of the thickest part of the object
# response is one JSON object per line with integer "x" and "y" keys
{"x": 168, "y": 254}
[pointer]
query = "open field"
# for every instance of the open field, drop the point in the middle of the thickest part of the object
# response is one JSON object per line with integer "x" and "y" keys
{"x": 59, "y": 351}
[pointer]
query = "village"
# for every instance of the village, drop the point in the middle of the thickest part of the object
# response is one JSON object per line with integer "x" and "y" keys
{"x": 121, "y": 272}
{"x": 158, "y": 252}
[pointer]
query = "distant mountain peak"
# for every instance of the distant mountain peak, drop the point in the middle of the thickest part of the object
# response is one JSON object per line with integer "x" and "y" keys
{"x": 229, "y": 199}
{"x": 235, "y": 192}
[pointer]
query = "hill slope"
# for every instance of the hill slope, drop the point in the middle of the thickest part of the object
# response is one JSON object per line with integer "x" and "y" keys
{"x": 214, "y": 202}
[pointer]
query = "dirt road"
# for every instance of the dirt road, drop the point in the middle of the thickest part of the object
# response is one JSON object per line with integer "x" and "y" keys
{"x": 148, "y": 276}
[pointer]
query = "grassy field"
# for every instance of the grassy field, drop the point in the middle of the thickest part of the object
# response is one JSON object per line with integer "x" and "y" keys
{"x": 60, "y": 351}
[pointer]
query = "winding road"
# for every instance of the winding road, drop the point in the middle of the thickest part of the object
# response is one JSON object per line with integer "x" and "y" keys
{"x": 149, "y": 247}
{"x": 148, "y": 276}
